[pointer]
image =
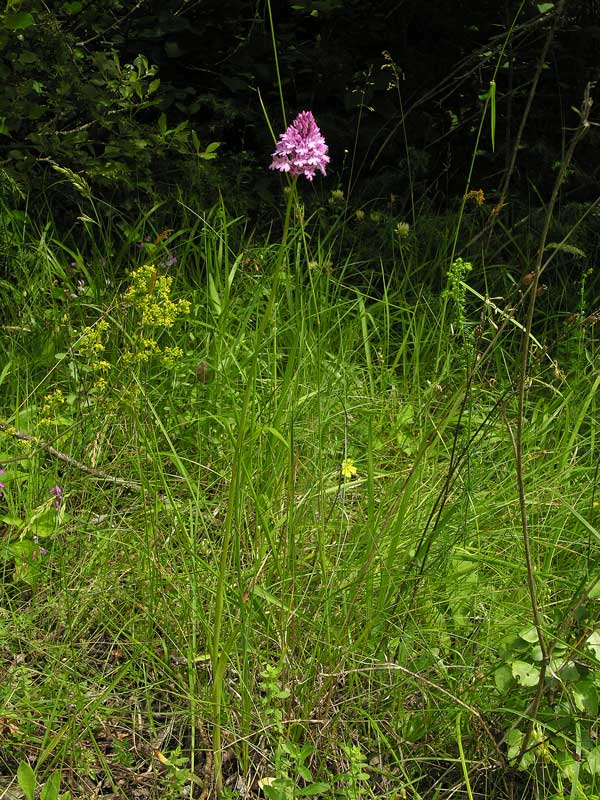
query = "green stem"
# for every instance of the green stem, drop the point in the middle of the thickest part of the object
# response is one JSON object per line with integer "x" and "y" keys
{"x": 276, "y": 59}
{"x": 218, "y": 652}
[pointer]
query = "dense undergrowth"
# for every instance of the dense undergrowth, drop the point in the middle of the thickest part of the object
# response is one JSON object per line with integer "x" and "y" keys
{"x": 260, "y": 515}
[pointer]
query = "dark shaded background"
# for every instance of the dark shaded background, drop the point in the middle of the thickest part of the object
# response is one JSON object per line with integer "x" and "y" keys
{"x": 398, "y": 89}
{"x": 216, "y": 57}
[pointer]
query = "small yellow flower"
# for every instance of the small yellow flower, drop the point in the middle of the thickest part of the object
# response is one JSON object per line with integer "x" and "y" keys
{"x": 596, "y": 504}
{"x": 348, "y": 468}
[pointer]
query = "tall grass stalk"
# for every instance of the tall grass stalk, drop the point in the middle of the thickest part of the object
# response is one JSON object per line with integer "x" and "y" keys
{"x": 219, "y": 651}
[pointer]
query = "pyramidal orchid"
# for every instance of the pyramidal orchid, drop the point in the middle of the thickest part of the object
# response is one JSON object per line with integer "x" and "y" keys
{"x": 301, "y": 150}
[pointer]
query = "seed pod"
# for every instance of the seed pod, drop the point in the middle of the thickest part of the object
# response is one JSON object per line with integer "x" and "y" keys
{"x": 203, "y": 373}
{"x": 527, "y": 279}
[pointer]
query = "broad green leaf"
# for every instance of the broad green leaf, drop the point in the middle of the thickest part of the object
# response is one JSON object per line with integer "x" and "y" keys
{"x": 503, "y": 678}
{"x": 536, "y": 653}
{"x": 586, "y": 697}
{"x": 567, "y": 763}
{"x": 206, "y": 156}
{"x": 593, "y": 643}
{"x": 26, "y": 780}
{"x": 312, "y": 790}
{"x": 513, "y": 741}
{"x": 304, "y": 773}
{"x": 18, "y": 21}
{"x": 543, "y": 8}
{"x": 525, "y": 674}
{"x": 43, "y": 524}
{"x": 592, "y": 760}
{"x": 528, "y": 759}
{"x": 23, "y": 550}
{"x": 16, "y": 522}
{"x": 529, "y": 634}
{"x": 271, "y": 792}
{"x": 595, "y": 591}
{"x": 51, "y": 787}
{"x": 568, "y": 671}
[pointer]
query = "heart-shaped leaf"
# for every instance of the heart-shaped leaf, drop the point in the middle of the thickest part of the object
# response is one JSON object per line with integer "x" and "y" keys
{"x": 586, "y": 697}
{"x": 525, "y": 674}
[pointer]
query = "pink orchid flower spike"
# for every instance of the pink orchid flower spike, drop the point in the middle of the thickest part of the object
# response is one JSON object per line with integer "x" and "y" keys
{"x": 301, "y": 150}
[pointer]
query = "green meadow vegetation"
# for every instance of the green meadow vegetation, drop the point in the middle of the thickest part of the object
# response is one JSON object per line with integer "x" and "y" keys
{"x": 300, "y": 510}
{"x": 285, "y": 555}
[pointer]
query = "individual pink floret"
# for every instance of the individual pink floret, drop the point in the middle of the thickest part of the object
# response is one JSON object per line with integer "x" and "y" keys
{"x": 56, "y": 493}
{"x": 301, "y": 150}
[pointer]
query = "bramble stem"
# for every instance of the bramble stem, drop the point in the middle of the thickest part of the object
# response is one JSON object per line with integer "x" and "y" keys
{"x": 582, "y": 129}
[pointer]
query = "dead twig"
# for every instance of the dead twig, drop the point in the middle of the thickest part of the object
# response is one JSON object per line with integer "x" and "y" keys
{"x": 67, "y": 459}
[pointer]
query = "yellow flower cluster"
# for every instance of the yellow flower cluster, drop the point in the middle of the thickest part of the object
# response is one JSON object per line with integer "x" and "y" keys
{"x": 148, "y": 298}
{"x": 171, "y": 355}
{"x": 92, "y": 338}
{"x": 51, "y": 405}
{"x": 150, "y": 293}
{"x": 52, "y": 402}
{"x": 145, "y": 349}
